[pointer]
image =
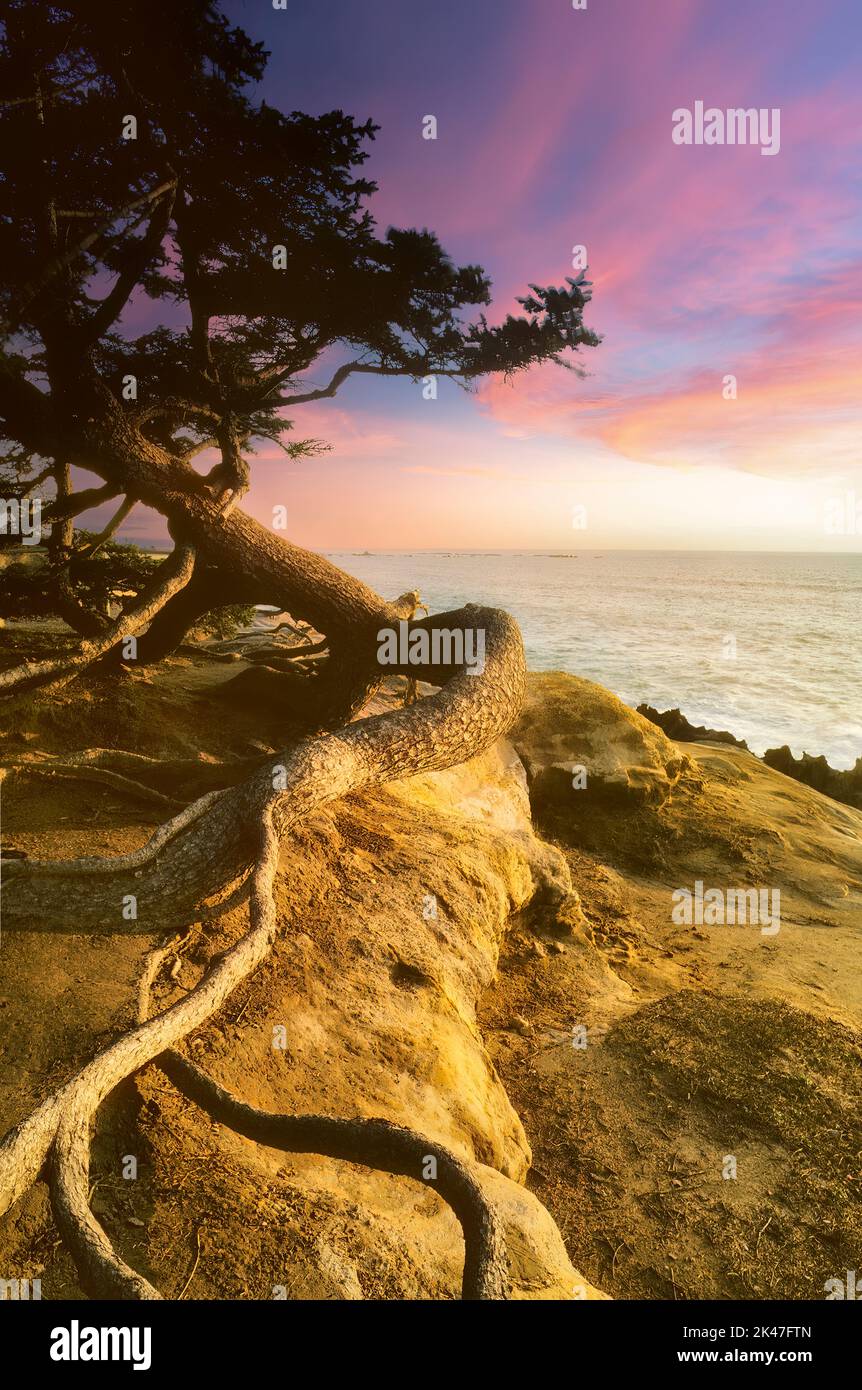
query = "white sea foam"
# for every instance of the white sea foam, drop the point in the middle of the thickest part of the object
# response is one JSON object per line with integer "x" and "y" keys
{"x": 655, "y": 627}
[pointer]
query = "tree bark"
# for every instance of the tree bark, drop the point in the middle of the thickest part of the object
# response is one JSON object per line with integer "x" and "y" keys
{"x": 203, "y": 853}
{"x": 207, "y": 589}
{"x": 227, "y": 837}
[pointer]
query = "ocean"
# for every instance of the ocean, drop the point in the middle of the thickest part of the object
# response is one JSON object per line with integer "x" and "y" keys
{"x": 765, "y": 645}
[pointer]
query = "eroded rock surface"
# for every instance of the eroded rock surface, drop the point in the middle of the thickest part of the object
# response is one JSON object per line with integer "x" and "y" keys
{"x": 503, "y": 976}
{"x": 569, "y": 724}
{"x": 393, "y": 905}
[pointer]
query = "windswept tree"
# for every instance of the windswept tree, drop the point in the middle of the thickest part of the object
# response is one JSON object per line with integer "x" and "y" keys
{"x": 135, "y": 166}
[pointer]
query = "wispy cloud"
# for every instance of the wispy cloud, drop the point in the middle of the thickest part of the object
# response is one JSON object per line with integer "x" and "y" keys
{"x": 555, "y": 130}
{"x": 437, "y": 472}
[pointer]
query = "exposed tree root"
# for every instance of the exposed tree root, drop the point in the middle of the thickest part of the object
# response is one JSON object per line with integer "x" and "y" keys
{"x": 114, "y": 758}
{"x": 112, "y": 767}
{"x": 208, "y": 846}
{"x": 82, "y": 772}
{"x": 102, "y": 1272}
{"x": 171, "y": 577}
{"x": 377, "y": 1144}
{"x": 60, "y": 1125}
{"x": 71, "y": 870}
{"x": 206, "y": 851}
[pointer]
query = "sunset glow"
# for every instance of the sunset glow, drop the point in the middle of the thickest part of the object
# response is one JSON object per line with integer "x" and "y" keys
{"x": 707, "y": 262}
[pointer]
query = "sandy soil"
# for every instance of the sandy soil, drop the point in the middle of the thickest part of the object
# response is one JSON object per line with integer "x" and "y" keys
{"x": 701, "y": 1044}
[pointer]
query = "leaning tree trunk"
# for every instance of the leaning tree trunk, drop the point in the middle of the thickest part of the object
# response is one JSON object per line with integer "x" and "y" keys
{"x": 207, "y": 589}
{"x": 227, "y": 842}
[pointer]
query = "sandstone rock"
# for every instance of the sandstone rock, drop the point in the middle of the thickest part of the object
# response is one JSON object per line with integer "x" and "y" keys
{"x": 539, "y": 1266}
{"x": 674, "y": 723}
{"x": 393, "y": 904}
{"x": 568, "y": 723}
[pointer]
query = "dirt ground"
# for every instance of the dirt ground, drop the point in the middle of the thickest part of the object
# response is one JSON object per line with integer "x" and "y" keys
{"x": 645, "y": 1061}
{"x": 702, "y": 1045}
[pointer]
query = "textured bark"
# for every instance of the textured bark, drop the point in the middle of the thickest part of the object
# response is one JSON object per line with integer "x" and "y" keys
{"x": 227, "y": 841}
{"x": 205, "y": 852}
{"x": 226, "y": 844}
{"x": 173, "y": 575}
{"x": 208, "y": 846}
{"x": 300, "y": 581}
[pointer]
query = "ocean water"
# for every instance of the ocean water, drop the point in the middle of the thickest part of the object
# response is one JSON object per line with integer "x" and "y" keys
{"x": 768, "y": 646}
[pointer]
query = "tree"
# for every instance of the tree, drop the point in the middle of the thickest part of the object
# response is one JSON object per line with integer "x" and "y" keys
{"x": 101, "y": 575}
{"x": 135, "y": 165}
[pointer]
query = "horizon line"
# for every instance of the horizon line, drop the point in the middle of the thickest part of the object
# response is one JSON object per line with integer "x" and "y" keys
{"x": 528, "y": 550}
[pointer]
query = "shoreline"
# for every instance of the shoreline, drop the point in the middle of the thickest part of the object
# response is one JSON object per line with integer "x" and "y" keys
{"x": 812, "y": 770}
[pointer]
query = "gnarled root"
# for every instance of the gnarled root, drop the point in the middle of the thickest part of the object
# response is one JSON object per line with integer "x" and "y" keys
{"x": 377, "y": 1144}
{"x": 202, "y": 853}
{"x": 209, "y": 846}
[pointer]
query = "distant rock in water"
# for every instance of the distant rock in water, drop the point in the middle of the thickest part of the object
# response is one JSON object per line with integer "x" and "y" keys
{"x": 813, "y": 772}
{"x": 674, "y": 723}
{"x": 816, "y": 773}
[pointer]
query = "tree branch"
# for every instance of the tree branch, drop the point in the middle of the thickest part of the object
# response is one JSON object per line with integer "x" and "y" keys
{"x": 26, "y": 412}
{"x": 369, "y": 369}
{"x": 88, "y": 551}
{"x": 110, "y": 308}
{"x": 59, "y": 263}
{"x": 172, "y": 576}
{"x": 64, "y": 507}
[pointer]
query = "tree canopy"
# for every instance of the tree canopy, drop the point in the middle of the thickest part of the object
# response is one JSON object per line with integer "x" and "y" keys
{"x": 144, "y": 184}
{"x": 137, "y": 165}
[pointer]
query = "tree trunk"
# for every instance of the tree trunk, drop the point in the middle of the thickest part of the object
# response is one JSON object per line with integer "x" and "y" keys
{"x": 82, "y": 619}
{"x": 207, "y": 589}
{"x": 233, "y": 836}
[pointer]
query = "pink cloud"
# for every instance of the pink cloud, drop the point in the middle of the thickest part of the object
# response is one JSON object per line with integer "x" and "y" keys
{"x": 797, "y": 395}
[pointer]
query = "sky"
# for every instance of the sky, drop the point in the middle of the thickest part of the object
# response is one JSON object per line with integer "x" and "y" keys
{"x": 555, "y": 130}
